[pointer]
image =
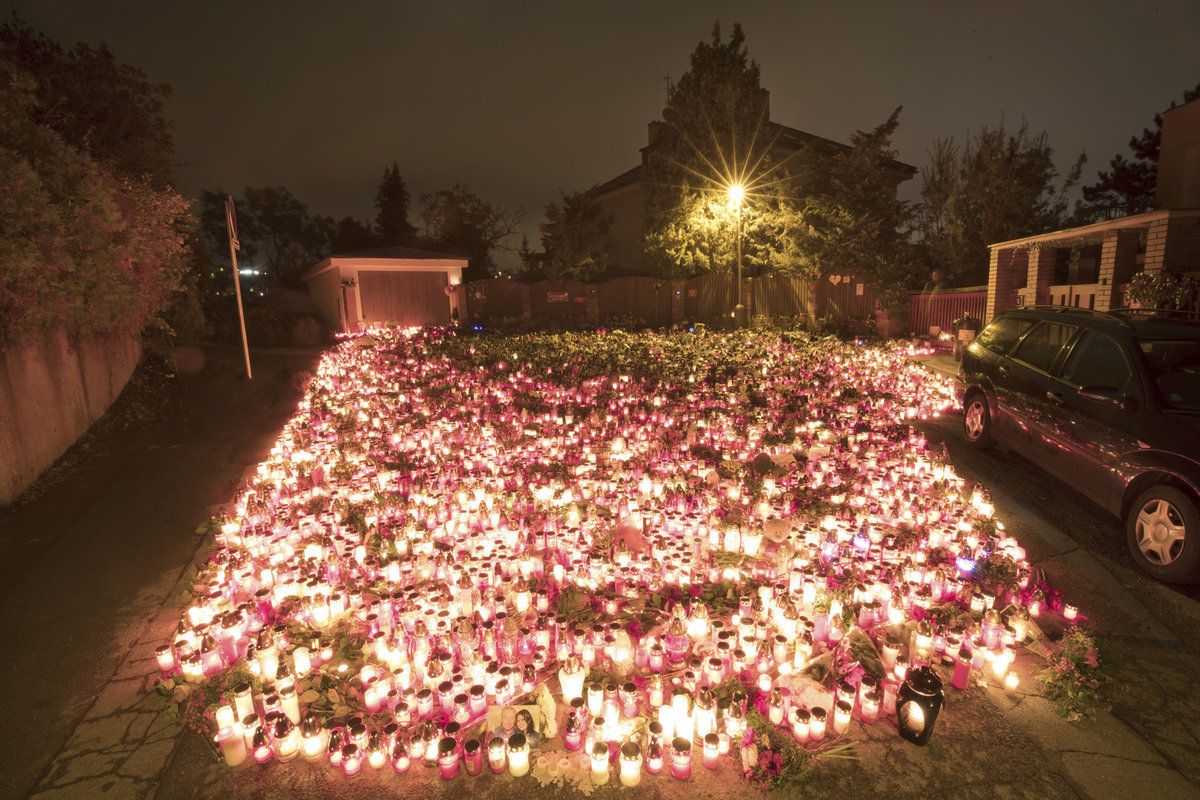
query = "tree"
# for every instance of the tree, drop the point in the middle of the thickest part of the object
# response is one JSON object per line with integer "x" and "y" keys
{"x": 1129, "y": 185}
{"x": 459, "y": 221}
{"x": 575, "y": 237}
{"x": 996, "y": 186}
{"x": 81, "y": 248}
{"x": 532, "y": 262}
{"x": 715, "y": 132}
{"x": 391, "y": 209}
{"x": 858, "y": 188}
{"x": 111, "y": 111}
{"x": 352, "y": 234}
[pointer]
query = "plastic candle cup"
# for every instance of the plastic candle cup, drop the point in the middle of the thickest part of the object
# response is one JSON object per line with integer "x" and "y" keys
{"x": 233, "y": 744}
{"x": 631, "y": 764}
{"x": 800, "y": 725}
{"x": 1070, "y": 613}
{"x": 681, "y": 759}
{"x": 599, "y": 762}
{"x": 518, "y": 756}
{"x": 816, "y": 724}
{"x": 243, "y": 700}
{"x": 712, "y": 750}
{"x": 473, "y": 756}
{"x": 570, "y": 679}
{"x": 841, "y": 716}
{"x": 166, "y": 658}
{"x": 1011, "y": 682}
{"x": 448, "y": 759}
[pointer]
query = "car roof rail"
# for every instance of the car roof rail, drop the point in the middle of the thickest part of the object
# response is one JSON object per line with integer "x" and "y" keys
{"x": 1158, "y": 312}
{"x": 1077, "y": 310}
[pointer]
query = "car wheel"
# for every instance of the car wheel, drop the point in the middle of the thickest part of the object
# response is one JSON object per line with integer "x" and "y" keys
{"x": 1163, "y": 532}
{"x": 977, "y": 421}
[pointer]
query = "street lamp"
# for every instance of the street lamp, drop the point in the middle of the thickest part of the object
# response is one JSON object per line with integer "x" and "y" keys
{"x": 737, "y": 193}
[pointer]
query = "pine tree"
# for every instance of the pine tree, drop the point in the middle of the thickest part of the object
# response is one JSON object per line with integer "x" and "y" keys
{"x": 1129, "y": 185}
{"x": 391, "y": 209}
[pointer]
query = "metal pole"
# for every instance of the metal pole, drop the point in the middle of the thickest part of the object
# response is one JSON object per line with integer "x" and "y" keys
{"x": 237, "y": 284}
{"x": 739, "y": 310}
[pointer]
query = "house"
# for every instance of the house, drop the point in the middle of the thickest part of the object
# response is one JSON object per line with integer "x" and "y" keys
{"x": 1090, "y": 266}
{"x": 399, "y": 285}
{"x": 624, "y": 197}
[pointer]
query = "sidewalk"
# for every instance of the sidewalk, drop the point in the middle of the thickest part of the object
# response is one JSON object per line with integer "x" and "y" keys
{"x": 97, "y": 551}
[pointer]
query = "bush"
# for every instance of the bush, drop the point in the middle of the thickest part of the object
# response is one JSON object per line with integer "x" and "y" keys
{"x": 80, "y": 248}
{"x": 284, "y": 318}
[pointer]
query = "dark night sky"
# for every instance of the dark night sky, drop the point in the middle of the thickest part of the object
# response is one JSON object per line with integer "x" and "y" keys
{"x": 519, "y": 99}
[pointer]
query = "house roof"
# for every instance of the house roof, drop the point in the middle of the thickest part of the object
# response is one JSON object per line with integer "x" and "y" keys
{"x": 383, "y": 258}
{"x": 786, "y": 136}
{"x": 406, "y": 253}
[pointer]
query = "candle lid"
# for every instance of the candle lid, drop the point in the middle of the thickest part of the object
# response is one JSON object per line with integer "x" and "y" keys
{"x": 924, "y": 681}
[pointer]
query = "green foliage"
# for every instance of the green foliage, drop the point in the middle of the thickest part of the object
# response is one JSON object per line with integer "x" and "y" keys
{"x": 110, "y": 111}
{"x": 1076, "y": 680}
{"x": 575, "y": 237}
{"x": 391, "y": 209}
{"x": 857, "y": 188}
{"x": 82, "y": 248}
{"x": 459, "y": 221}
{"x": 1163, "y": 289}
{"x": 998, "y": 185}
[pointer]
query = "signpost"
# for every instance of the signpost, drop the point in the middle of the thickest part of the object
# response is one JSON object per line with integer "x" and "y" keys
{"x": 234, "y": 246}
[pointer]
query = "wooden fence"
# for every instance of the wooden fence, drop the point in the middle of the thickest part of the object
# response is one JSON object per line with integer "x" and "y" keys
{"x": 660, "y": 302}
{"x": 929, "y": 309}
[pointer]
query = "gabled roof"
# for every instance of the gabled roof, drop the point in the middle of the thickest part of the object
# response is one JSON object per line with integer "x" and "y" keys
{"x": 786, "y": 137}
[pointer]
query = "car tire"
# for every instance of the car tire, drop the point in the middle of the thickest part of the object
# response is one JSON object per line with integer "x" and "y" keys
{"x": 1162, "y": 530}
{"x": 977, "y": 421}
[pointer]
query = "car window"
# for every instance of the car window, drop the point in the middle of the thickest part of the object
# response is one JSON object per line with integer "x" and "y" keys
{"x": 1041, "y": 346}
{"x": 1003, "y": 331}
{"x": 1175, "y": 366}
{"x": 1097, "y": 360}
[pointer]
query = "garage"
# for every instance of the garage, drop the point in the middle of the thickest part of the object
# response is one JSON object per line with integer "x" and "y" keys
{"x": 395, "y": 285}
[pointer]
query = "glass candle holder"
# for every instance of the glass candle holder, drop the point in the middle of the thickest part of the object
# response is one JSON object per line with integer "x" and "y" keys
{"x": 497, "y": 755}
{"x": 401, "y": 760}
{"x": 631, "y": 764}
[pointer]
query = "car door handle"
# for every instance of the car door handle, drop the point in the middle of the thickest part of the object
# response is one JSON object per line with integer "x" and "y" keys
{"x": 1054, "y": 397}
{"x": 1003, "y": 370}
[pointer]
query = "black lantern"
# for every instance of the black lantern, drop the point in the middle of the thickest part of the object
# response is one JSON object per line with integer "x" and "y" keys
{"x": 918, "y": 704}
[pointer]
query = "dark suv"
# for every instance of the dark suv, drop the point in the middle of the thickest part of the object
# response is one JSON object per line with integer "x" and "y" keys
{"x": 1110, "y": 404}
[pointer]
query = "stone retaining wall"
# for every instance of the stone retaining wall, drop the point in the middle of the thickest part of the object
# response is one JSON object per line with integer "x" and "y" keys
{"x": 52, "y": 388}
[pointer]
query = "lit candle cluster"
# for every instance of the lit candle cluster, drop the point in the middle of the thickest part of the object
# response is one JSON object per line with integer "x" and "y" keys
{"x": 409, "y": 543}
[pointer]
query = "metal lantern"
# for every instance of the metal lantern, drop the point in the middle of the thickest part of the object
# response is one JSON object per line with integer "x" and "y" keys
{"x": 918, "y": 705}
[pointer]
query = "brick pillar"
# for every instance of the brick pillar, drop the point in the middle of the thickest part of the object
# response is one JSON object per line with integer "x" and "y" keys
{"x": 1156, "y": 245}
{"x": 1001, "y": 281}
{"x": 1118, "y": 262}
{"x": 1040, "y": 276}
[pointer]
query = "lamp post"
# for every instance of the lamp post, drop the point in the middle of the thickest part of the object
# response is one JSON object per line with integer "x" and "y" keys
{"x": 737, "y": 193}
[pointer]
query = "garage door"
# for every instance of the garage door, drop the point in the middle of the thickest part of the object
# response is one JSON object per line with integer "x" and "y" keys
{"x": 405, "y": 298}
